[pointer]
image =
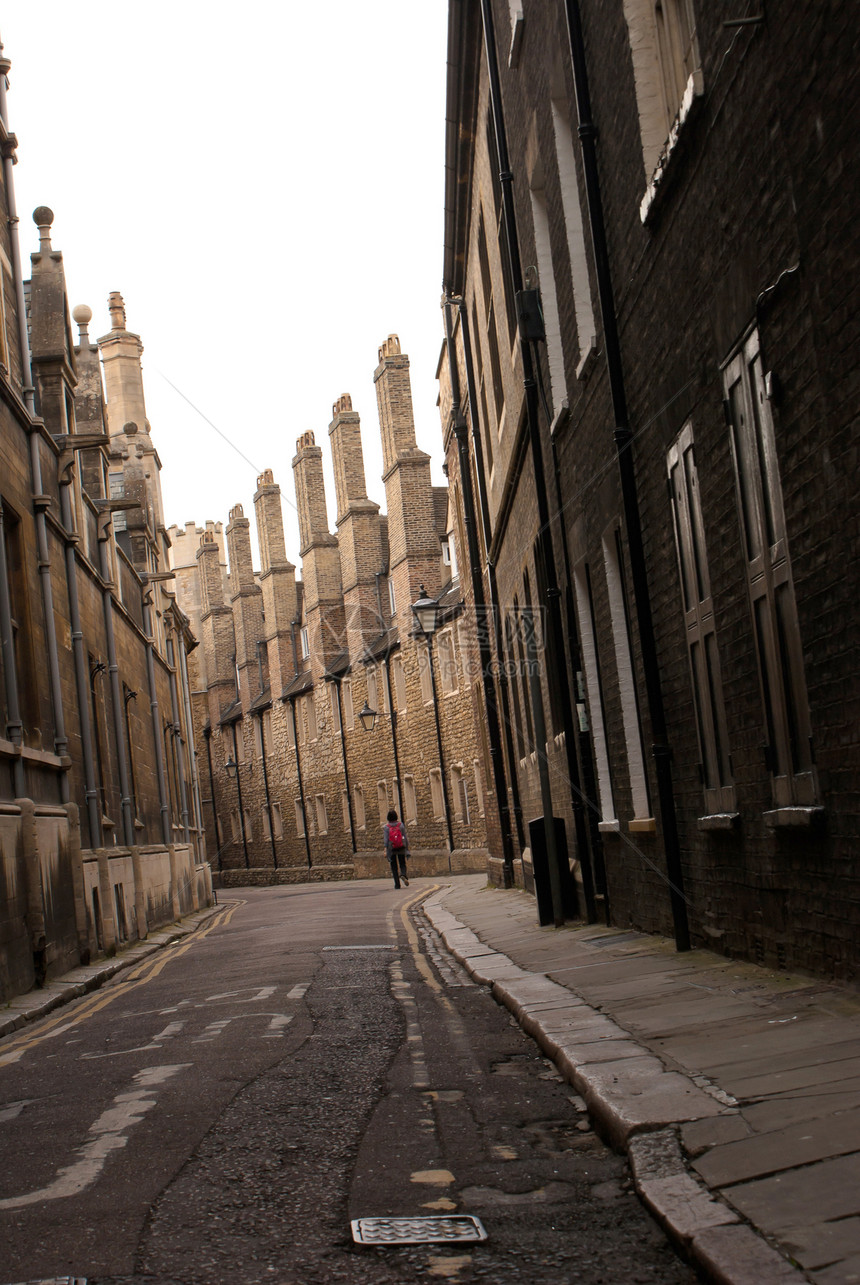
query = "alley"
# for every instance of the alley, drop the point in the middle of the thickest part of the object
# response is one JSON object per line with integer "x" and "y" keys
{"x": 310, "y": 1056}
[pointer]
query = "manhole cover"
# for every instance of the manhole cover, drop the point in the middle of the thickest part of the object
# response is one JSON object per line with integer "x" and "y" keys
{"x": 416, "y": 1231}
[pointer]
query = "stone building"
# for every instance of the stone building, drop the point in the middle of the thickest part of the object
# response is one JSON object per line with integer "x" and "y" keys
{"x": 100, "y": 837}
{"x": 648, "y": 260}
{"x": 295, "y": 787}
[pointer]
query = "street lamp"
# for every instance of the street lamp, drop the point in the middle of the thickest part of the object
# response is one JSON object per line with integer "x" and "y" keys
{"x": 426, "y": 611}
{"x": 232, "y": 769}
{"x": 367, "y": 717}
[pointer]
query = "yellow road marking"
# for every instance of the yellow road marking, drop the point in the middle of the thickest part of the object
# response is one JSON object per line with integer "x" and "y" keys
{"x": 144, "y": 973}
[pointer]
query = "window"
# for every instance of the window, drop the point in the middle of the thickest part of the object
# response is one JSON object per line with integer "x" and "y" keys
{"x": 410, "y": 802}
{"x": 300, "y": 819}
{"x": 267, "y": 829}
{"x": 482, "y": 390}
{"x": 291, "y": 724}
{"x": 372, "y": 690}
{"x": 306, "y": 651}
{"x": 360, "y": 814}
{"x": 249, "y": 829}
{"x": 593, "y": 694}
{"x": 348, "y": 711}
{"x": 447, "y": 661}
{"x": 699, "y": 625}
{"x": 479, "y": 785}
{"x": 277, "y": 821}
{"x": 382, "y": 799}
{"x": 547, "y": 277}
{"x": 240, "y": 741}
{"x": 437, "y": 798}
{"x": 311, "y": 716}
{"x": 116, "y": 491}
{"x": 392, "y": 601}
{"x": 666, "y": 70}
{"x": 586, "y": 329}
{"x": 322, "y": 815}
{"x": 424, "y": 673}
{"x": 460, "y": 792}
{"x": 344, "y": 803}
{"x": 626, "y": 678}
{"x": 776, "y": 629}
{"x": 258, "y": 737}
{"x": 266, "y": 721}
{"x": 399, "y": 683}
{"x": 234, "y": 826}
{"x": 335, "y": 707}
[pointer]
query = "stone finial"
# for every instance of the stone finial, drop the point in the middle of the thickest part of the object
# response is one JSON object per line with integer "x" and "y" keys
{"x": 82, "y": 315}
{"x": 266, "y": 478}
{"x": 343, "y": 404}
{"x": 307, "y": 439}
{"x": 116, "y": 308}
{"x": 130, "y": 429}
{"x": 43, "y": 218}
{"x": 391, "y": 348}
{"x": 236, "y": 512}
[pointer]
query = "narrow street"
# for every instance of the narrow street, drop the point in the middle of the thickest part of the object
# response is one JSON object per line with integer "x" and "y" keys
{"x": 310, "y": 1056}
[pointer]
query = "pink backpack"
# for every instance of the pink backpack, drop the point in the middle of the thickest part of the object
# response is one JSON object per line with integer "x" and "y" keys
{"x": 395, "y": 835}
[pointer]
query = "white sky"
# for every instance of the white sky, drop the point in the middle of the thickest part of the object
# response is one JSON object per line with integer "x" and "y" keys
{"x": 263, "y": 183}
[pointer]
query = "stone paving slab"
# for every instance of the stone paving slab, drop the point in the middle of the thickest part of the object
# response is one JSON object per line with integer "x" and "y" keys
{"x": 754, "y": 1075}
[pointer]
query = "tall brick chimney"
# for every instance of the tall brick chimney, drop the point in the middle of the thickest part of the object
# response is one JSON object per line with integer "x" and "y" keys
{"x": 324, "y": 614}
{"x": 277, "y": 582}
{"x": 216, "y": 623}
{"x": 358, "y": 529}
{"x": 412, "y": 537}
{"x": 247, "y": 600}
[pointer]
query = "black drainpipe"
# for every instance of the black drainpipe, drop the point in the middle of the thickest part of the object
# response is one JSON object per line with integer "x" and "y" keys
{"x": 301, "y": 787}
{"x": 207, "y": 735}
{"x": 266, "y": 788}
{"x": 337, "y": 682}
{"x": 660, "y": 750}
{"x": 551, "y": 592}
{"x": 239, "y": 796}
{"x": 492, "y": 713}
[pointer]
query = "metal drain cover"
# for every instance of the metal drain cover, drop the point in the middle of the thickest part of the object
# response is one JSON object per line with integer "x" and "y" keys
{"x": 416, "y": 1231}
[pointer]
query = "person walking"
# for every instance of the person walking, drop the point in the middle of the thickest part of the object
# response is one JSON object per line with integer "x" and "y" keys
{"x": 396, "y": 847}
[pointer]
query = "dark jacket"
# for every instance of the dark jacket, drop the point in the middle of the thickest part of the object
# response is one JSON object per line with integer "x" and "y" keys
{"x": 386, "y": 830}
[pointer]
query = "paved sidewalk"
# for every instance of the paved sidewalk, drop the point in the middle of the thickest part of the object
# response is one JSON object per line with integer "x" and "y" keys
{"x": 735, "y": 1091}
{"x": 80, "y": 981}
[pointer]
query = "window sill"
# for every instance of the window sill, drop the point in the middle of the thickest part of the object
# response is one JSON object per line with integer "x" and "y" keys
{"x": 792, "y": 818}
{"x": 694, "y": 91}
{"x": 609, "y": 827}
{"x": 642, "y": 825}
{"x": 587, "y": 361}
{"x": 719, "y": 821}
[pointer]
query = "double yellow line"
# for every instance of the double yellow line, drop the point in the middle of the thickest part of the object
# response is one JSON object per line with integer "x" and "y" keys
{"x": 13, "y": 1049}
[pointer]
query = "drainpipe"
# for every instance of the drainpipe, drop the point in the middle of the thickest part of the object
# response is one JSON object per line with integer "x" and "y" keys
{"x": 177, "y": 735}
{"x": 551, "y": 592}
{"x": 345, "y": 768}
{"x": 41, "y": 501}
{"x": 301, "y": 787}
{"x": 14, "y": 729}
{"x": 492, "y": 714}
{"x": 239, "y": 796}
{"x": 393, "y": 717}
{"x": 94, "y": 815}
{"x": 266, "y": 789}
{"x": 207, "y": 736}
{"x": 486, "y": 526}
{"x": 163, "y": 796}
{"x": 660, "y": 750}
{"x": 195, "y": 776}
{"x": 104, "y": 524}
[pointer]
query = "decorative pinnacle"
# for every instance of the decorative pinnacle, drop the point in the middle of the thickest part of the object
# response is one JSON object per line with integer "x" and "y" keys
{"x": 43, "y": 218}
{"x": 82, "y": 315}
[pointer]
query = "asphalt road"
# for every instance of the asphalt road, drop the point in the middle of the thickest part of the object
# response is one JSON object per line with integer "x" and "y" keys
{"x": 309, "y": 1057}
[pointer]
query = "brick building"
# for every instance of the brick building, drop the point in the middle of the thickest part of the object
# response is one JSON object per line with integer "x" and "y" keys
{"x": 652, "y": 361}
{"x": 295, "y": 787}
{"x": 99, "y": 809}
